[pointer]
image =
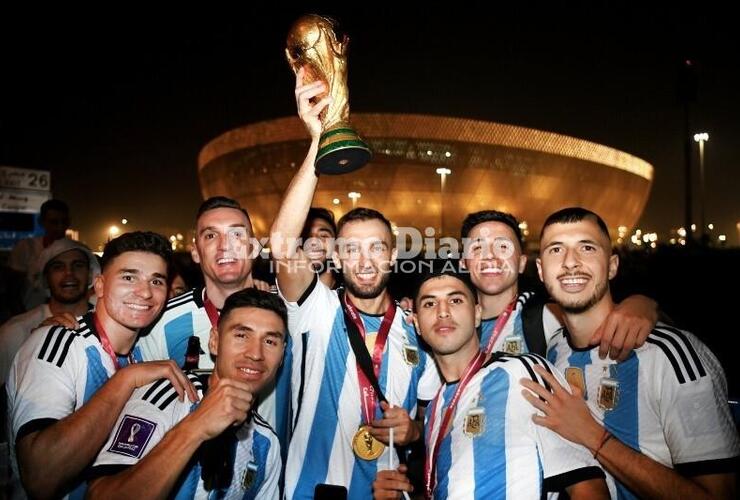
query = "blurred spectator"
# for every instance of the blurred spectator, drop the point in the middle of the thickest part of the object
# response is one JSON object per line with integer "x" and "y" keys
{"x": 54, "y": 219}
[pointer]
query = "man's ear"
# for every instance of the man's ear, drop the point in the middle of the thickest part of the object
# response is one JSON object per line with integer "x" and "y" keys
{"x": 335, "y": 259}
{"x": 99, "y": 285}
{"x": 613, "y": 266}
{"x": 539, "y": 269}
{"x": 213, "y": 341}
{"x": 194, "y": 254}
{"x": 522, "y": 264}
{"x": 416, "y": 324}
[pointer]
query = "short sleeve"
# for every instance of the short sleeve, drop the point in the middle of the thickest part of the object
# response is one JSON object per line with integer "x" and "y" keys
{"x": 42, "y": 385}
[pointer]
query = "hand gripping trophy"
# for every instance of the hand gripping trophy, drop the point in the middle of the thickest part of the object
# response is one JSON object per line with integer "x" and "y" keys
{"x": 312, "y": 43}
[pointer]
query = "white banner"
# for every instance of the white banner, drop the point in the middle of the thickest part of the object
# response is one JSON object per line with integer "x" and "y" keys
{"x": 21, "y": 200}
{"x": 25, "y": 178}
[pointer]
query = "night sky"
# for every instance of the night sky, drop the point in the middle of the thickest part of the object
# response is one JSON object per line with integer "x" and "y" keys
{"x": 118, "y": 107}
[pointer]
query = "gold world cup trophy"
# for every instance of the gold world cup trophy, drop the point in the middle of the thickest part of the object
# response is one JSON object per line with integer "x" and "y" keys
{"x": 312, "y": 43}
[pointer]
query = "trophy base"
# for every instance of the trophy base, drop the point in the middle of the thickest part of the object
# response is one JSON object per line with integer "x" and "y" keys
{"x": 341, "y": 151}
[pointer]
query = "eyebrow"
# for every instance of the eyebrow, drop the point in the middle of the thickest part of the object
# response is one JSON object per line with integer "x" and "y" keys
{"x": 129, "y": 271}
{"x": 271, "y": 333}
{"x": 590, "y": 242}
{"x": 137, "y": 271}
{"x": 454, "y": 292}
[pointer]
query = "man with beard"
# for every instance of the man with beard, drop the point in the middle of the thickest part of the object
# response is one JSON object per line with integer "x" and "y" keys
{"x": 317, "y": 238}
{"x": 519, "y": 323}
{"x": 66, "y": 387}
{"x": 358, "y": 369}
{"x": 659, "y": 421}
{"x": 66, "y": 269}
{"x": 160, "y": 446}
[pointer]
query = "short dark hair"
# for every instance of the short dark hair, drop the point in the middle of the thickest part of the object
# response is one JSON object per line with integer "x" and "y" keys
{"x": 215, "y": 202}
{"x": 251, "y": 297}
{"x": 571, "y": 215}
{"x": 318, "y": 213}
{"x": 444, "y": 267}
{"x": 363, "y": 214}
{"x": 472, "y": 220}
{"x": 53, "y": 204}
{"x": 138, "y": 241}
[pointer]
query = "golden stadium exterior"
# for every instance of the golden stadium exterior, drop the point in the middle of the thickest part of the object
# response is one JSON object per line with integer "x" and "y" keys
{"x": 527, "y": 172}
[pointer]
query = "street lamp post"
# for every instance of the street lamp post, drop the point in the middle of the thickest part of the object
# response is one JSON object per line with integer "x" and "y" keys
{"x": 443, "y": 173}
{"x": 701, "y": 138}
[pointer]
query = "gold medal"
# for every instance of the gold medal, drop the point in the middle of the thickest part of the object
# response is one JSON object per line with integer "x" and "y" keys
{"x": 575, "y": 378}
{"x": 475, "y": 422}
{"x": 411, "y": 355}
{"x": 513, "y": 345}
{"x": 365, "y": 445}
{"x": 608, "y": 394}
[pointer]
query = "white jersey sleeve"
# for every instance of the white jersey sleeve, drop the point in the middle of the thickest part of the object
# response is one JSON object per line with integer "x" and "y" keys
{"x": 139, "y": 428}
{"x": 146, "y": 417}
{"x": 563, "y": 463}
{"x": 692, "y": 397}
{"x": 41, "y": 386}
{"x": 312, "y": 309}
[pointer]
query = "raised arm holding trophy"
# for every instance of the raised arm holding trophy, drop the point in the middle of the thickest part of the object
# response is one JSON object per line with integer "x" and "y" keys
{"x": 361, "y": 371}
{"x": 313, "y": 44}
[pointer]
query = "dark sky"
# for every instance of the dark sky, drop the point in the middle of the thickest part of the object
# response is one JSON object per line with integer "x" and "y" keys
{"x": 117, "y": 107}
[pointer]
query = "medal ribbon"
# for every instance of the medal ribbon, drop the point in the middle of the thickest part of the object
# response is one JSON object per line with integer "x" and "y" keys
{"x": 211, "y": 310}
{"x": 368, "y": 393}
{"x": 500, "y": 324}
{"x": 435, "y": 441}
{"x": 105, "y": 343}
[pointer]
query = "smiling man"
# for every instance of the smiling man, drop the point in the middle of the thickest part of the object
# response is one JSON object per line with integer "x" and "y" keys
{"x": 519, "y": 323}
{"x": 66, "y": 269}
{"x": 480, "y": 440}
{"x": 157, "y": 448}
{"x": 318, "y": 237}
{"x": 658, "y": 421}
{"x": 66, "y": 387}
{"x": 223, "y": 250}
{"x": 353, "y": 354}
